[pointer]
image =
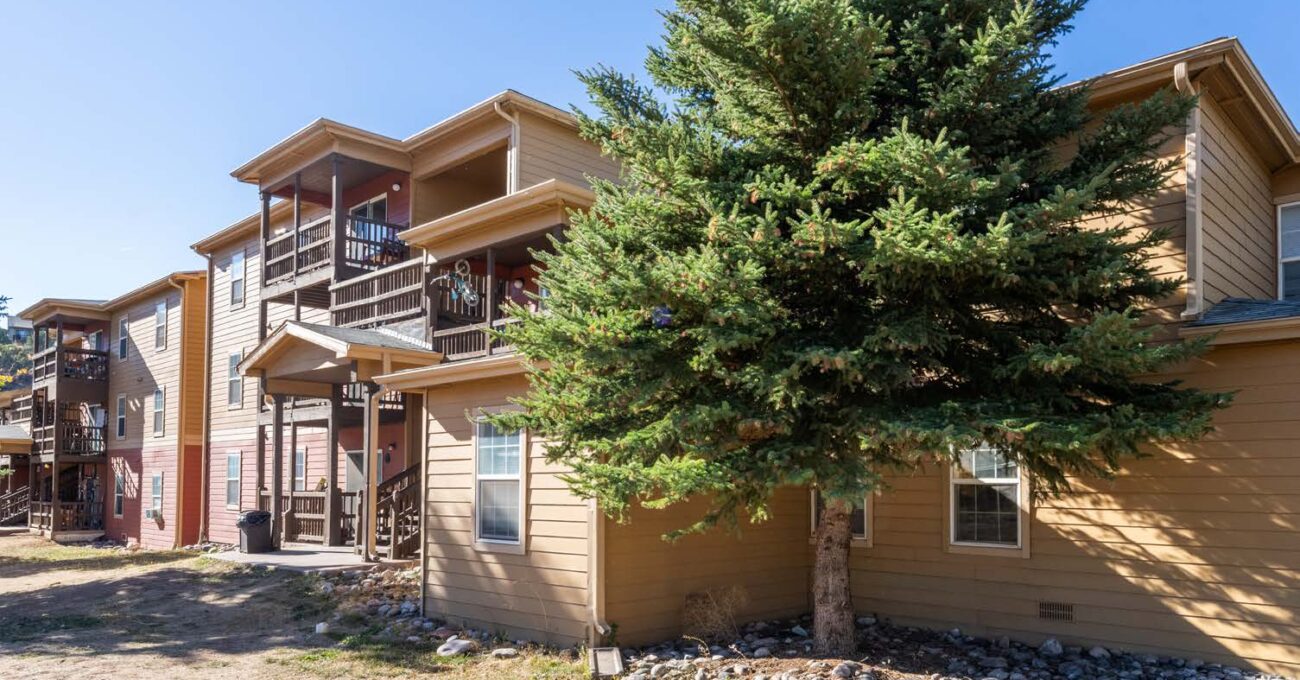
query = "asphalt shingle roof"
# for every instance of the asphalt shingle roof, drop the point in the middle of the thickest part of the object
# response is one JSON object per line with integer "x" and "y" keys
{"x": 361, "y": 336}
{"x": 1238, "y": 310}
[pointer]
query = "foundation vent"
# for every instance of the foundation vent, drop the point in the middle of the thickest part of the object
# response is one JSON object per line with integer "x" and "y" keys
{"x": 1056, "y": 611}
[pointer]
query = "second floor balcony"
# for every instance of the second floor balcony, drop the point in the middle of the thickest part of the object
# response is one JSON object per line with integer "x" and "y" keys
{"x": 346, "y": 217}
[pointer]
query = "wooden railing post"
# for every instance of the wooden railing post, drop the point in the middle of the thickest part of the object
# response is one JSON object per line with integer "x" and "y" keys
{"x": 338, "y": 227}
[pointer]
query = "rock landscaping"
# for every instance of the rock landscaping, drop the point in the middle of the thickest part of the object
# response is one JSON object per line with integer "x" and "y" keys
{"x": 782, "y": 650}
{"x": 777, "y": 650}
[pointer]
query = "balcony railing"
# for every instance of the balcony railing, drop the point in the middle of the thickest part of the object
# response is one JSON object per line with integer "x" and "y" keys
{"x": 75, "y": 439}
{"x": 69, "y": 362}
{"x": 470, "y": 341}
{"x": 71, "y": 516}
{"x": 368, "y": 245}
{"x": 394, "y": 293}
{"x": 22, "y": 410}
{"x": 85, "y": 364}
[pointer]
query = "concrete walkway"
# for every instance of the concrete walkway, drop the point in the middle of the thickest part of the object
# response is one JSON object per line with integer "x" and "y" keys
{"x": 300, "y": 557}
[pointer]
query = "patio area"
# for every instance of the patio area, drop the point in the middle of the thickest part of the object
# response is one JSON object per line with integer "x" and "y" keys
{"x": 299, "y": 557}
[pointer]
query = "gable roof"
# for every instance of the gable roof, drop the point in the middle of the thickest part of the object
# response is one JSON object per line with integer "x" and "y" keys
{"x": 1223, "y": 64}
{"x": 100, "y": 309}
{"x": 344, "y": 343}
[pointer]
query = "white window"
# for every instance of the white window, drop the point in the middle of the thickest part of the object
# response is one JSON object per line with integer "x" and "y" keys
{"x": 499, "y": 494}
{"x": 119, "y": 493}
{"x": 986, "y": 499}
{"x": 159, "y": 408}
{"x": 121, "y": 416}
{"x": 234, "y": 383}
{"x": 234, "y": 465}
{"x": 300, "y": 469}
{"x": 1288, "y": 250}
{"x": 156, "y": 495}
{"x": 160, "y": 325}
{"x": 859, "y": 518}
{"x": 121, "y": 338}
{"x": 94, "y": 339}
{"x": 237, "y": 278}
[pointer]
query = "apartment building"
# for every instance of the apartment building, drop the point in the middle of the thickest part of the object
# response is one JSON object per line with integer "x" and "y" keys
{"x": 112, "y": 414}
{"x": 334, "y": 362}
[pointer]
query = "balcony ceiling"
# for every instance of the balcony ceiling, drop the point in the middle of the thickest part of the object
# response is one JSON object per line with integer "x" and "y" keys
{"x": 318, "y": 176}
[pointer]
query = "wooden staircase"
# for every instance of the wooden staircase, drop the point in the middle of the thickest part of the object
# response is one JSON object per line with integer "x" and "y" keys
{"x": 13, "y": 507}
{"x": 397, "y": 515}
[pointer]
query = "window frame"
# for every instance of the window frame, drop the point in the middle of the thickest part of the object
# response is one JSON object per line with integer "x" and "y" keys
{"x": 519, "y": 545}
{"x": 868, "y": 520}
{"x": 299, "y": 460}
{"x": 1282, "y": 261}
{"x": 123, "y": 338}
{"x": 234, "y": 395}
{"x": 159, "y": 411}
{"x": 237, "y": 456}
{"x": 94, "y": 339}
{"x": 119, "y": 494}
{"x": 237, "y": 302}
{"x": 953, "y": 479}
{"x": 160, "y": 313}
{"x": 157, "y": 490}
{"x": 119, "y": 427}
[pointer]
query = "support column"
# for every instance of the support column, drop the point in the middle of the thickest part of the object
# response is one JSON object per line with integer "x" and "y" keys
{"x": 338, "y": 229}
{"x": 261, "y": 466}
{"x": 370, "y": 439}
{"x": 266, "y": 229}
{"x": 332, "y": 504}
{"x": 289, "y": 517}
{"x": 297, "y": 219}
{"x": 277, "y": 469}
{"x": 491, "y": 312}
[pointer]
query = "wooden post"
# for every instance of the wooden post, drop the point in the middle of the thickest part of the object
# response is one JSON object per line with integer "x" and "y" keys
{"x": 289, "y": 517}
{"x": 277, "y": 468}
{"x": 432, "y": 300}
{"x": 491, "y": 314}
{"x": 370, "y": 439}
{"x": 297, "y": 219}
{"x": 261, "y": 465}
{"x": 266, "y": 229}
{"x": 332, "y": 533}
{"x": 338, "y": 228}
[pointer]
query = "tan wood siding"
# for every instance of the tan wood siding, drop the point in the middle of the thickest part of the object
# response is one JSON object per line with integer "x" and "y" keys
{"x": 549, "y": 150}
{"x": 647, "y": 579}
{"x": 145, "y": 369}
{"x": 1238, "y": 219}
{"x": 1193, "y": 552}
{"x": 540, "y": 594}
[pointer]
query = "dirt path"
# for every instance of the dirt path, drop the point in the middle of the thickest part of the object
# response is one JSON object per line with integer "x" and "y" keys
{"x": 83, "y": 612}
{"x": 80, "y": 612}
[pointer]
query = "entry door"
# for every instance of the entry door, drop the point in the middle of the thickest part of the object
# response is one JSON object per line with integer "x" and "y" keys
{"x": 356, "y": 479}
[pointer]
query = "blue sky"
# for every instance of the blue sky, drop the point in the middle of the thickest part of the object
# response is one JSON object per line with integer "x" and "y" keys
{"x": 120, "y": 122}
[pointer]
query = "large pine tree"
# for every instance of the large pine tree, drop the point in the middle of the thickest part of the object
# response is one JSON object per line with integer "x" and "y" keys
{"x": 851, "y": 243}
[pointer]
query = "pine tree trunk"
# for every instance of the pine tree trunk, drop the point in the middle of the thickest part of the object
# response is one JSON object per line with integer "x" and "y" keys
{"x": 833, "y": 630}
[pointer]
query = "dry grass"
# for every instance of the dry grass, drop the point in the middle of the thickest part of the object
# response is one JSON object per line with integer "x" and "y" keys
{"x": 711, "y": 615}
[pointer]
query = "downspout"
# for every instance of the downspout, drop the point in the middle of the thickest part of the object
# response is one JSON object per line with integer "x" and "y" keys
{"x": 1195, "y": 288}
{"x": 599, "y": 629}
{"x": 177, "y": 533}
{"x": 207, "y": 406}
{"x": 512, "y": 151}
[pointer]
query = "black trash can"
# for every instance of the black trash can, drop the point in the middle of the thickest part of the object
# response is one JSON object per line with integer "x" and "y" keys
{"x": 255, "y": 532}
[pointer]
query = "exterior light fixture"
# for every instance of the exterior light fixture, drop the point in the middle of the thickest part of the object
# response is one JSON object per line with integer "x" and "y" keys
{"x": 397, "y": 186}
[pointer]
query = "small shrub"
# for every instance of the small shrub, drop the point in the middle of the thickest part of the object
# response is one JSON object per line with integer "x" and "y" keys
{"x": 711, "y": 614}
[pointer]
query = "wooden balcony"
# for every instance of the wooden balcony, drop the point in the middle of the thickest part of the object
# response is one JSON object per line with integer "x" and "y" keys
{"x": 394, "y": 293}
{"x": 305, "y": 518}
{"x": 471, "y": 341}
{"x": 74, "y": 374}
{"x": 66, "y": 515}
{"x": 318, "y": 252}
{"x": 69, "y": 438}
